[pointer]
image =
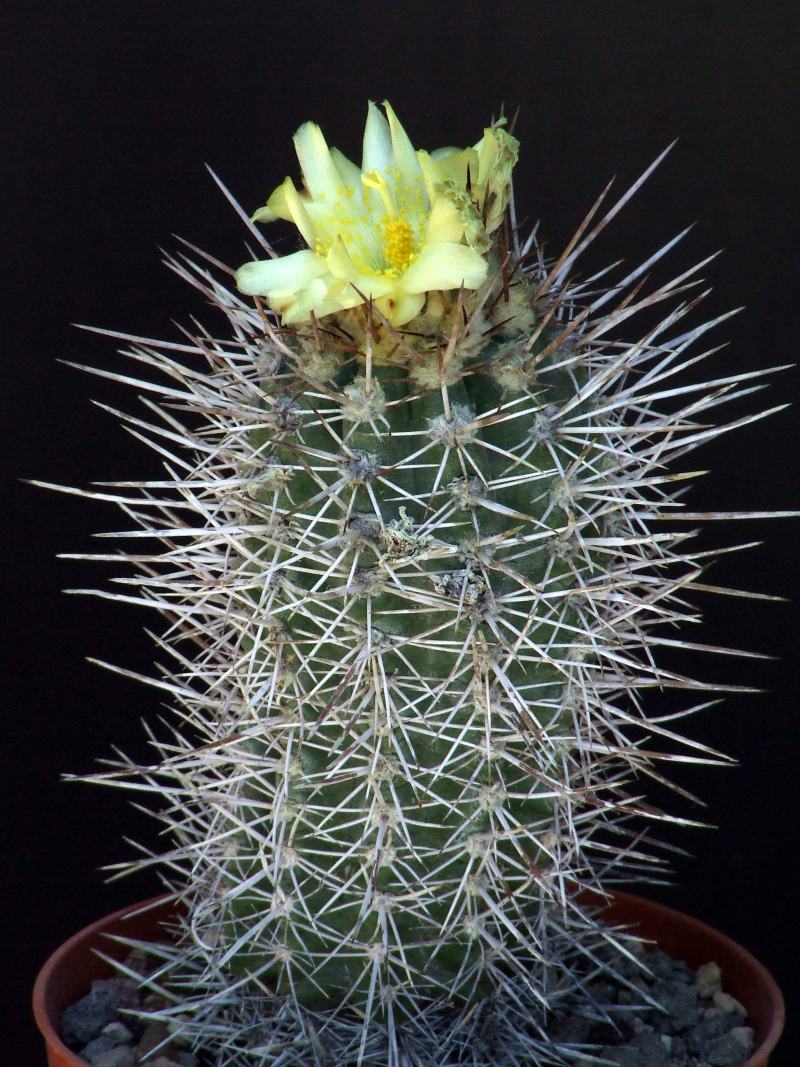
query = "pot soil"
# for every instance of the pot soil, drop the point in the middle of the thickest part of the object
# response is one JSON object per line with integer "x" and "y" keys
{"x": 68, "y": 974}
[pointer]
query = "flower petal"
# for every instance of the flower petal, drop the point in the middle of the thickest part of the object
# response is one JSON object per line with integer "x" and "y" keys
{"x": 342, "y": 267}
{"x": 399, "y": 308}
{"x": 453, "y": 163}
{"x": 348, "y": 172}
{"x": 430, "y": 173}
{"x": 404, "y": 156}
{"x": 377, "y": 154}
{"x": 286, "y": 203}
{"x": 314, "y": 297}
{"x": 319, "y": 171}
{"x": 278, "y": 278}
{"x": 339, "y": 262}
{"x": 295, "y": 205}
{"x": 444, "y": 222}
{"x": 276, "y": 207}
{"x": 445, "y": 266}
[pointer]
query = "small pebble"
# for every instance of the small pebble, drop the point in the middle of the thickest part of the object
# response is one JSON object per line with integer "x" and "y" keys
{"x": 646, "y": 1048}
{"x": 155, "y": 1033}
{"x": 97, "y": 1046}
{"x": 705, "y": 1034}
{"x": 731, "y": 1047}
{"x": 638, "y": 948}
{"x": 744, "y": 1035}
{"x": 121, "y": 1056}
{"x": 728, "y": 1004}
{"x": 708, "y": 979}
{"x": 119, "y": 1032}
{"x": 174, "y": 1059}
{"x": 83, "y": 1021}
{"x": 678, "y": 1051}
{"x": 680, "y": 1002}
{"x": 179, "y": 1038}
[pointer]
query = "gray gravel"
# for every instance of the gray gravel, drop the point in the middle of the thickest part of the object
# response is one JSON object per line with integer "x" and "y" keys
{"x": 699, "y": 1024}
{"x": 101, "y": 1031}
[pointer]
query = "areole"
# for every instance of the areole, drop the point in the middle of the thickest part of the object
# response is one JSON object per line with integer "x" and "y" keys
{"x": 68, "y": 973}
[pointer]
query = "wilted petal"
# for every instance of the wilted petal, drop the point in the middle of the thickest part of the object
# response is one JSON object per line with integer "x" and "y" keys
{"x": 497, "y": 153}
{"x": 445, "y": 266}
{"x": 472, "y": 228}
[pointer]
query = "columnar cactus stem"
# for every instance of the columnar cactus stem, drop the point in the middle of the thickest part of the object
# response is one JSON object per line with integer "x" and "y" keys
{"x": 415, "y": 556}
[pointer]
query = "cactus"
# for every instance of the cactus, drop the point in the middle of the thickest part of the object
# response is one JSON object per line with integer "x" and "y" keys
{"x": 417, "y": 548}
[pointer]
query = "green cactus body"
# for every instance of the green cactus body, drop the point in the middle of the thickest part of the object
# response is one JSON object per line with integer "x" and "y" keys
{"x": 417, "y": 719}
{"x": 415, "y": 577}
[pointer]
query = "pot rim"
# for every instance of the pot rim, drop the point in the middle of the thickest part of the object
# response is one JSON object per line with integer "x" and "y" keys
{"x": 43, "y": 1008}
{"x": 622, "y": 908}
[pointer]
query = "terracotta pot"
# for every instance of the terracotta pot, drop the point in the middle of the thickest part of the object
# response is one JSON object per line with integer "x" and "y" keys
{"x": 688, "y": 939}
{"x": 68, "y": 974}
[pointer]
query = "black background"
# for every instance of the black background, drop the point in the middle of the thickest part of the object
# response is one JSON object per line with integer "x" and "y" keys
{"x": 112, "y": 108}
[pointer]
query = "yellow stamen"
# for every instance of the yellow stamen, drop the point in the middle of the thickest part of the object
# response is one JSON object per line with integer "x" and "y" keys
{"x": 373, "y": 179}
{"x": 398, "y": 244}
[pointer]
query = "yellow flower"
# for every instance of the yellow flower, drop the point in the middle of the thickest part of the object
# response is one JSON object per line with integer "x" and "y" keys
{"x": 397, "y": 228}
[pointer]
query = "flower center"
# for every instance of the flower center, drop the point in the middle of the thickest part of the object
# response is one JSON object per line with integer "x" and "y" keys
{"x": 398, "y": 244}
